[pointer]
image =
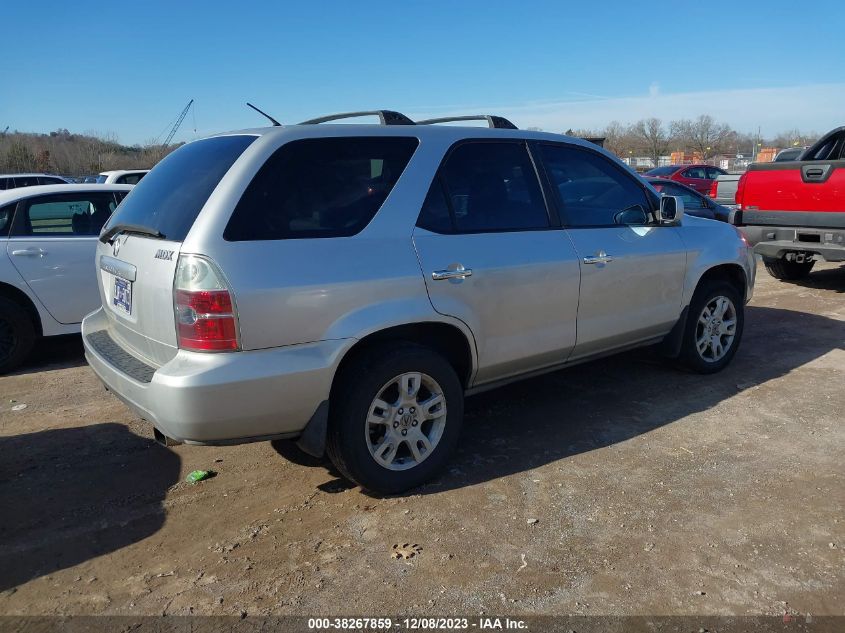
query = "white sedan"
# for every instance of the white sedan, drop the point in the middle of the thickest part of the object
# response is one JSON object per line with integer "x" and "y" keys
{"x": 47, "y": 276}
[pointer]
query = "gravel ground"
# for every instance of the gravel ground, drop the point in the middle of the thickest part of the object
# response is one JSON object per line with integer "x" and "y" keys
{"x": 618, "y": 487}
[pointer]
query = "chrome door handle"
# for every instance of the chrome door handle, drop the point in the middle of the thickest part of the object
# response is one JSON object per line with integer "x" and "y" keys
{"x": 599, "y": 258}
{"x": 30, "y": 252}
{"x": 459, "y": 272}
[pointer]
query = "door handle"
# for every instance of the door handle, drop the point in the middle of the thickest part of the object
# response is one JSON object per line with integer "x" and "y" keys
{"x": 458, "y": 272}
{"x": 599, "y": 258}
{"x": 30, "y": 252}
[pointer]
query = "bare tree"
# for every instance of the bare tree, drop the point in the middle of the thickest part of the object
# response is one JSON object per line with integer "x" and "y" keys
{"x": 653, "y": 136}
{"x": 703, "y": 135}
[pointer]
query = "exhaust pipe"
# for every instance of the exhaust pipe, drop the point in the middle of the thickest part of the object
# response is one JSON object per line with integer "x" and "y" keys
{"x": 162, "y": 439}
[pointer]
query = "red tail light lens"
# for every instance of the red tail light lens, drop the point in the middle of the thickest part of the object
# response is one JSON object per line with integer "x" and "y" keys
{"x": 740, "y": 190}
{"x": 714, "y": 186}
{"x": 205, "y": 314}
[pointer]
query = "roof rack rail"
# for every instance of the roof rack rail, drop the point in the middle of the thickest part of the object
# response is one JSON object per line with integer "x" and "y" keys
{"x": 492, "y": 120}
{"x": 386, "y": 117}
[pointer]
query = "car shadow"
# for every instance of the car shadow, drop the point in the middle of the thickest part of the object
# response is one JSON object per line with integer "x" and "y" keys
{"x": 534, "y": 422}
{"x": 827, "y": 279}
{"x": 70, "y": 495}
{"x": 53, "y": 352}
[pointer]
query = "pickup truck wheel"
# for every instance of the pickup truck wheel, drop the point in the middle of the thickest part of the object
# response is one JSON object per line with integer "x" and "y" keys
{"x": 17, "y": 335}
{"x": 786, "y": 270}
{"x": 395, "y": 417}
{"x": 714, "y": 327}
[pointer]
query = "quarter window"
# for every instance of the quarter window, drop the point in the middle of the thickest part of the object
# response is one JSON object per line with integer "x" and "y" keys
{"x": 593, "y": 191}
{"x": 327, "y": 187}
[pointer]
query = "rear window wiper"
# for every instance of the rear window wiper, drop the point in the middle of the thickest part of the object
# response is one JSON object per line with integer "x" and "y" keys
{"x": 138, "y": 229}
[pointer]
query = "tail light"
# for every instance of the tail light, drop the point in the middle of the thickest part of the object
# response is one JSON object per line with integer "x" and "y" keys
{"x": 206, "y": 319}
{"x": 740, "y": 190}
{"x": 714, "y": 187}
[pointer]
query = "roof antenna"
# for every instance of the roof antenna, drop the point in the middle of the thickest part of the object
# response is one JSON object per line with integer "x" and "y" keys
{"x": 274, "y": 121}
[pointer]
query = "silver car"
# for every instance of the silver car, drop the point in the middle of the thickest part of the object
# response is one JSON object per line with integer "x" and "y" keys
{"x": 47, "y": 279}
{"x": 347, "y": 285}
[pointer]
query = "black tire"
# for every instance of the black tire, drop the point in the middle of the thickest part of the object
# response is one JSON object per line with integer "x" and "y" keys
{"x": 17, "y": 335}
{"x": 707, "y": 293}
{"x": 347, "y": 444}
{"x": 786, "y": 270}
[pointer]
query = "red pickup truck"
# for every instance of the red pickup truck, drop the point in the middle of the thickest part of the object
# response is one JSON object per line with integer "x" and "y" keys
{"x": 794, "y": 212}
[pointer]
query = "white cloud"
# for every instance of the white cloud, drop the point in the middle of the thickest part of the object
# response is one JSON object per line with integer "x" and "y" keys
{"x": 817, "y": 107}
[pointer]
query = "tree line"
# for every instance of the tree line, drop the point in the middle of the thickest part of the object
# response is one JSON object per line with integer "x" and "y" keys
{"x": 703, "y": 136}
{"x": 69, "y": 154}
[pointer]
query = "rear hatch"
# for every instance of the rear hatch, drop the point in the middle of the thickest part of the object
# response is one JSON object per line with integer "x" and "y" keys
{"x": 140, "y": 245}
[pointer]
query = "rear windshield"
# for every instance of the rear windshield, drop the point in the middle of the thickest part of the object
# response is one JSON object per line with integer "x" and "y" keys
{"x": 170, "y": 197}
{"x": 663, "y": 171}
{"x": 327, "y": 187}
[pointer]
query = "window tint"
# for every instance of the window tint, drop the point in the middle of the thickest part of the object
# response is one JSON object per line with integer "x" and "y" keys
{"x": 327, "y": 187}
{"x": 129, "y": 179}
{"x": 65, "y": 214}
{"x": 592, "y": 189}
{"x": 26, "y": 181}
{"x": 663, "y": 171}
{"x": 695, "y": 172}
{"x": 171, "y": 196}
{"x": 713, "y": 173}
{"x": 435, "y": 215}
{"x": 493, "y": 187}
{"x": 50, "y": 180}
{"x": 691, "y": 201}
{"x": 6, "y": 214}
{"x": 6, "y": 183}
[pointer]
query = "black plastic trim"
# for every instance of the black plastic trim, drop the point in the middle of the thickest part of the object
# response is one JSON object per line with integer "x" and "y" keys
{"x": 386, "y": 117}
{"x": 809, "y": 219}
{"x": 493, "y": 121}
{"x": 120, "y": 359}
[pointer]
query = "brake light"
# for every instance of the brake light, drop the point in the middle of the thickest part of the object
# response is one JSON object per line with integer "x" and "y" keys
{"x": 740, "y": 190}
{"x": 714, "y": 186}
{"x": 206, "y": 319}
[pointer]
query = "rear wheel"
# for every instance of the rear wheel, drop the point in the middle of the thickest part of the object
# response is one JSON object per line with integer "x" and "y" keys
{"x": 787, "y": 270}
{"x": 714, "y": 327}
{"x": 17, "y": 335}
{"x": 395, "y": 418}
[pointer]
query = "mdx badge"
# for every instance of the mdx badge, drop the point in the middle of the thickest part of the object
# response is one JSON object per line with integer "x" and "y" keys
{"x": 165, "y": 255}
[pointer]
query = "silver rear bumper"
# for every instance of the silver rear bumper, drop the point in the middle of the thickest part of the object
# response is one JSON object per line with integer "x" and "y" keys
{"x": 219, "y": 398}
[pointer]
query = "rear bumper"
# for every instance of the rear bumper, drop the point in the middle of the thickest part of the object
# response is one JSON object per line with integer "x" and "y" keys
{"x": 222, "y": 398}
{"x": 775, "y": 241}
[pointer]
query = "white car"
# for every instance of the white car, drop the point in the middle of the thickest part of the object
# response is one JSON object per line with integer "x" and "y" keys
{"x": 47, "y": 275}
{"x": 13, "y": 181}
{"x": 121, "y": 176}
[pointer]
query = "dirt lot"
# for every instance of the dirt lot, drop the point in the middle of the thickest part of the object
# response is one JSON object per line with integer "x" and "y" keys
{"x": 618, "y": 487}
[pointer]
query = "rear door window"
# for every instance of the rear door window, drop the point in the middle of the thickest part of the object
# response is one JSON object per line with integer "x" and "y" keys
{"x": 63, "y": 215}
{"x": 171, "y": 196}
{"x": 713, "y": 173}
{"x": 326, "y": 187}
{"x": 485, "y": 187}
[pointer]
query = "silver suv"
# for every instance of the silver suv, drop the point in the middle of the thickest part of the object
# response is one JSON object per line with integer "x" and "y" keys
{"x": 347, "y": 285}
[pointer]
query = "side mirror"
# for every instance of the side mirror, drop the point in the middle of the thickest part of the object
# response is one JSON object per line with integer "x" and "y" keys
{"x": 671, "y": 211}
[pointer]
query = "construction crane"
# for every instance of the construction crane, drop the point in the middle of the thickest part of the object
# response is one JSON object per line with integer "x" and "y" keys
{"x": 176, "y": 125}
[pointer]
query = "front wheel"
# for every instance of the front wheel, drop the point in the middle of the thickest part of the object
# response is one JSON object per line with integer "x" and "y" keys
{"x": 786, "y": 270}
{"x": 714, "y": 327}
{"x": 395, "y": 417}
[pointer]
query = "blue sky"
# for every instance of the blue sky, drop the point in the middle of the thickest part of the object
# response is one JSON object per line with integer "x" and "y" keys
{"x": 129, "y": 68}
